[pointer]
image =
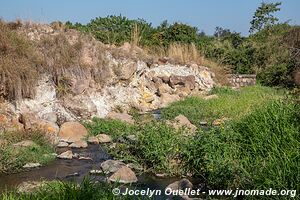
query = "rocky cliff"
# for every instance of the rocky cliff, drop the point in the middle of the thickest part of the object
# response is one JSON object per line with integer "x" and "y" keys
{"x": 80, "y": 78}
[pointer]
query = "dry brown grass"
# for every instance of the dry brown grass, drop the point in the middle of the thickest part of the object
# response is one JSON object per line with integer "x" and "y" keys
{"x": 187, "y": 54}
{"x": 18, "y": 64}
{"x": 221, "y": 72}
{"x": 184, "y": 53}
{"x": 136, "y": 35}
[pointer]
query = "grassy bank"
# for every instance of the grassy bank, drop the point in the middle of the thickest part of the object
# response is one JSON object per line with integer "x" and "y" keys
{"x": 68, "y": 191}
{"x": 13, "y": 158}
{"x": 257, "y": 148}
{"x": 229, "y": 104}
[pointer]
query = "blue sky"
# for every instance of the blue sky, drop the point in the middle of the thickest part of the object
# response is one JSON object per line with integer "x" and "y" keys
{"x": 204, "y": 14}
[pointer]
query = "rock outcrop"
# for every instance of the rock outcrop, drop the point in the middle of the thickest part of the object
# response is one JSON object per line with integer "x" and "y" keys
{"x": 102, "y": 80}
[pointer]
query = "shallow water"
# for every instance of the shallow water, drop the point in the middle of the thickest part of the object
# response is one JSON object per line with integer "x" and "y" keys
{"x": 76, "y": 170}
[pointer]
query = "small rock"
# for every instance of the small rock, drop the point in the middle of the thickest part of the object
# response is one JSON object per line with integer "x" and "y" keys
{"x": 96, "y": 171}
{"x": 93, "y": 140}
{"x": 113, "y": 146}
{"x": 180, "y": 185}
{"x": 76, "y": 155}
{"x": 110, "y": 166}
{"x": 62, "y": 144}
{"x": 123, "y": 175}
{"x": 79, "y": 144}
{"x": 66, "y": 155}
{"x": 32, "y": 165}
{"x": 183, "y": 121}
{"x": 203, "y": 123}
{"x": 131, "y": 138}
{"x": 25, "y": 143}
{"x": 121, "y": 140}
{"x": 103, "y": 138}
{"x": 72, "y": 175}
{"x": 29, "y": 187}
{"x": 220, "y": 121}
{"x": 161, "y": 175}
{"x": 84, "y": 158}
{"x": 121, "y": 116}
{"x": 214, "y": 96}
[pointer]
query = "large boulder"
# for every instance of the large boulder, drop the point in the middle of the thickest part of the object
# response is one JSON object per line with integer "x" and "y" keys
{"x": 123, "y": 175}
{"x": 186, "y": 81}
{"x": 125, "y": 70}
{"x": 72, "y": 132}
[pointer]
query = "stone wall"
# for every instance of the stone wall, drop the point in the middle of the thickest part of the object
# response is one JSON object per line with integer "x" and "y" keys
{"x": 241, "y": 80}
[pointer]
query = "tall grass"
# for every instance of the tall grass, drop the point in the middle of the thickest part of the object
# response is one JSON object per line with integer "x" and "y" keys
{"x": 229, "y": 104}
{"x": 184, "y": 53}
{"x": 259, "y": 151}
{"x": 70, "y": 191}
{"x": 18, "y": 60}
{"x": 158, "y": 146}
{"x": 13, "y": 158}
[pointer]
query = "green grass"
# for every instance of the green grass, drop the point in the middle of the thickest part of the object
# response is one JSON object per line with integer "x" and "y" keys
{"x": 259, "y": 151}
{"x": 114, "y": 128}
{"x": 69, "y": 191}
{"x": 157, "y": 145}
{"x": 14, "y": 158}
{"x": 230, "y": 104}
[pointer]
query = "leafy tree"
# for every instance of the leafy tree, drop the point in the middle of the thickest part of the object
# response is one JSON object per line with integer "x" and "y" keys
{"x": 221, "y": 32}
{"x": 263, "y": 16}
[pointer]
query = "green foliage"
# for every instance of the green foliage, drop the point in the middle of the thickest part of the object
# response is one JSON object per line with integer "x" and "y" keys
{"x": 270, "y": 47}
{"x": 14, "y": 158}
{"x": 158, "y": 144}
{"x": 263, "y": 16}
{"x": 229, "y": 104}
{"x": 115, "y": 128}
{"x": 259, "y": 151}
{"x": 119, "y": 29}
{"x": 87, "y": 189}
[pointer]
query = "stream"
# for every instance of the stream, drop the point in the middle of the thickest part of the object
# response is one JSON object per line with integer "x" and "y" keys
{"x": 76, "y": 170}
